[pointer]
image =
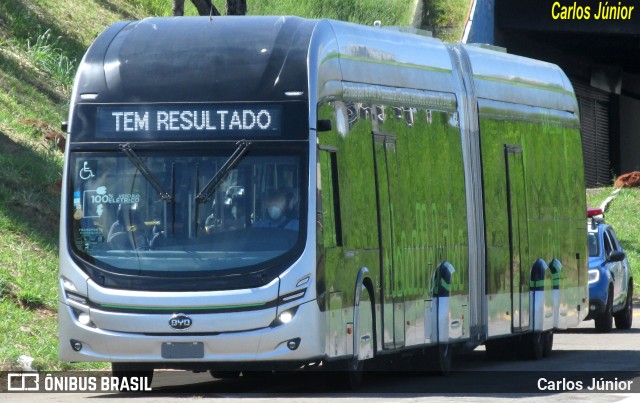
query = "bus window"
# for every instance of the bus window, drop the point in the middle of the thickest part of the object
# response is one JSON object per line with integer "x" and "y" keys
{"x": 332, "y": 232}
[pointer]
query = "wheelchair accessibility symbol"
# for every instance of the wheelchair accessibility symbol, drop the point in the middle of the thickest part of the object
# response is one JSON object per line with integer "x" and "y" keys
{"x": 86, "y": 172}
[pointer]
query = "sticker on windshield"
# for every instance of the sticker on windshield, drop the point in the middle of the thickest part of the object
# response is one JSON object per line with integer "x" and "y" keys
{"x": 78, "y": 213}
{"x": 89, "y": 170}
{"x": 95, "y": 201}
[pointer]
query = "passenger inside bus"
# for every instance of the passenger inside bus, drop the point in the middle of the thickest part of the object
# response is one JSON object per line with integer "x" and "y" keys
{"x": 279, "y": 212}
{"x": 128, "y": 231}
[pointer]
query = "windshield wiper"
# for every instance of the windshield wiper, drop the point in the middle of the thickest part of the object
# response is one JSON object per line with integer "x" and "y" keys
{"x": 230, "y": 163}
{"x": 135, "y": 160}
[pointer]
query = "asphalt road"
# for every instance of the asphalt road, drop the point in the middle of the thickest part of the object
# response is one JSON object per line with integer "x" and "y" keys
{"x": 580, "y": 357}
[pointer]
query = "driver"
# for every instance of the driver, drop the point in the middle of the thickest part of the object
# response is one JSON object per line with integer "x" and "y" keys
{"x": 278, "y": 216}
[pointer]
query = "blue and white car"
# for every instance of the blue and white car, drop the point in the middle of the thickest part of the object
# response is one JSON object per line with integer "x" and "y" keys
{"x": 610, "y": 281}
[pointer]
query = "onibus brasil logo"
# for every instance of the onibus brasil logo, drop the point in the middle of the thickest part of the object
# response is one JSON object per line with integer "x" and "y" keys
{"x": 65, "y": 382}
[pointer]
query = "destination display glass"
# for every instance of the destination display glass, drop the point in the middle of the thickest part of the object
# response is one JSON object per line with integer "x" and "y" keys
{"x": 189, "y": 121}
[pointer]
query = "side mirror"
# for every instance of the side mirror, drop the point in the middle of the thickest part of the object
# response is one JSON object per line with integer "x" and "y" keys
{"x": 616, "y": 256}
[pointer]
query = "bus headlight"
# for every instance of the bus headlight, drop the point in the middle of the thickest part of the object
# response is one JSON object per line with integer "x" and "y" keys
{"x": 594, "y": 276}
{"x": 68, "y": 284}
{"x": 83, "y": 317}
{"x": 285, "y": 317}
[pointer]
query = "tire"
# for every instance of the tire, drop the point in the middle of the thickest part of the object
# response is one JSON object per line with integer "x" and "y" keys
{"x": 502, "y": 349}
{"x": 257, "y": 374}
{"x": 354, "y": 374}
{"x": 533, "y": 345}
{"x": 434, "y": 360}
{"x": 548, "y": 343}
{"x": 349, "y": 373}
{"x": 604, "y": 322}
{"x": 345, "y": 375}
{"x": 224, "y": 374}
{"x": 624, "y": 318}
{"x": 444, "y": 359}
{"x": 127, "y": 370}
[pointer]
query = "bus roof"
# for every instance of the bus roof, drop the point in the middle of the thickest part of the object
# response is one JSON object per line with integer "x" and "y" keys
{"x": 195, "y": 59}
{"x": 515, "y": 79}
{"x": 246, "y": 58}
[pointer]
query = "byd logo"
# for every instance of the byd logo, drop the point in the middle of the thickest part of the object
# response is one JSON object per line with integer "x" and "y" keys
{"x": 180, "y": 321}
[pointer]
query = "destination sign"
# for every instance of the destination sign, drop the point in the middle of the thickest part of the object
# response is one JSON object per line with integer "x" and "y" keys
{"x": 246, "y": 120}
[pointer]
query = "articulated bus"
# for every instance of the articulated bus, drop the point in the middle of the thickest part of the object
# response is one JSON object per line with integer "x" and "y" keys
{"x": 247, "y": 193}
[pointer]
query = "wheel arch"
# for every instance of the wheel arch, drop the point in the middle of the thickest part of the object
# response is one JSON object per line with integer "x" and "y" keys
{"x": 363, "y": 279}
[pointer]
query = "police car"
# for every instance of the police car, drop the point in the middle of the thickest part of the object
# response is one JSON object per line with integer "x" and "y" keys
{"x": 610, "y": 281}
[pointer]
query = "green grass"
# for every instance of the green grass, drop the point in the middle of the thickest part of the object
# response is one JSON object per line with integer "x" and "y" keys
{"x": 41, "y": 43}
{"x": 445, "y": 18}
{"x": 47, "y": 55}
{"x": 623, "y": 213}
{"x": 389, "y": 12}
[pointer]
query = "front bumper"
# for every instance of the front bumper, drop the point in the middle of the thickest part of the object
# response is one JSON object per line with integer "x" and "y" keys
{"x": 596, "y": 308}
{"x": 243, "y": 349}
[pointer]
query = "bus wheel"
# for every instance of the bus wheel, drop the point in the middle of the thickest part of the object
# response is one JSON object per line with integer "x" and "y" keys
{"x": 533, "y": 345}
{"x": 443, "y": 359}
{"x": 257, "y": 374}
{"x": 502, "y": 349}
{"x": 345, "y": 374}
{"x": 434, "y": 360}
{"x": 126, "y": 372}
{"x": 548, "y": 343}
{"x": 350, "y": 371}
{"x": 354, "y": 373}
{"x": 224, "y": 374}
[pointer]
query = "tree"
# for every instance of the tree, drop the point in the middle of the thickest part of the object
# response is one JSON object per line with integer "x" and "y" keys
{"x": 236, "y": 7}
{"x": 206, "y": 7}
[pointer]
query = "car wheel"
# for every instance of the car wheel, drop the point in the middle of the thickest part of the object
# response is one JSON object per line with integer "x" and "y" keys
{"x": 604, "y": 322}
{"x": 624, "y": 318}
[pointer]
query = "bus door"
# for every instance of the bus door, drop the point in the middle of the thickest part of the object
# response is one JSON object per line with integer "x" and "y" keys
{"x": 392, "y": 301}
{"x": 518, "y": 238}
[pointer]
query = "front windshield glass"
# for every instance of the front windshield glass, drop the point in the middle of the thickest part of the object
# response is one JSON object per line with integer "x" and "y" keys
{"x": 119, "y": 222}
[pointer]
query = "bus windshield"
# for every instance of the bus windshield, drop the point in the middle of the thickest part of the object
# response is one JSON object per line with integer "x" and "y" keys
{"x": 160, "y": 213}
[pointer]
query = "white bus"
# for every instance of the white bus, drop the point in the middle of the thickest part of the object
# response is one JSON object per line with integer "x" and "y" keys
{"x": 276, "y": 192}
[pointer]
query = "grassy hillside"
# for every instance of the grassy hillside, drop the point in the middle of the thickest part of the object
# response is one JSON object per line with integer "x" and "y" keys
{"x": 445, "y": 18}
{"x": 41, "y": 43}
{"x": 389, "y": 12}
